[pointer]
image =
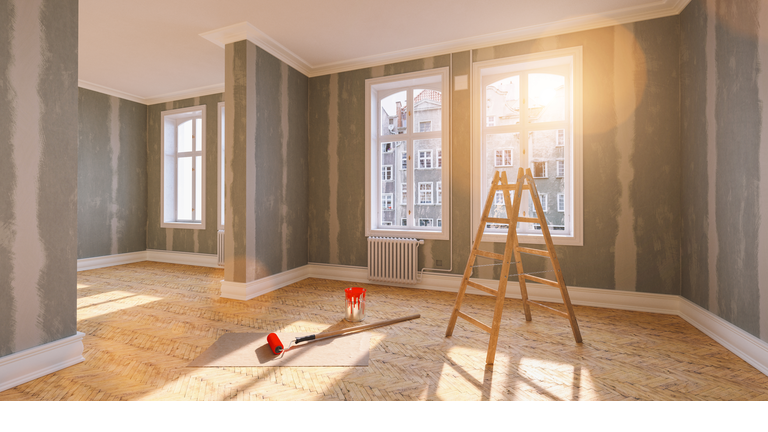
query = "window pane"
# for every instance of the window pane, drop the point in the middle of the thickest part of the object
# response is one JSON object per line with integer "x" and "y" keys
{"x": 198, "y": 135}
{"x": 427, "y": 175}
{"x": 546, "y": 97}
{"x": 501, "y": 154}
{"x": 198, "y": 188}
{"x": 545, "y": 157}
{"x": 427, "y": 110}
{"x": 391, "y": 177}
{"x": 185, "y": 136}
{"x": 502, "y": 102}
{"x": 184, "y": 189}
{"x": 394, "y": 114}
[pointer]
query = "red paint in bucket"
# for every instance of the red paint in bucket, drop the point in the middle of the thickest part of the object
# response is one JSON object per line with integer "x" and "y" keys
{"x": 355, "y": 304}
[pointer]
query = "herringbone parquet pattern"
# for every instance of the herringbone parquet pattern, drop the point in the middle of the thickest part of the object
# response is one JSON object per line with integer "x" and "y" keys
{"x": 145, "y": 322}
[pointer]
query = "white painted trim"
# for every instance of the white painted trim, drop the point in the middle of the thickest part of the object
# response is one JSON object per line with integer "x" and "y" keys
{"x": 24, "y": 366}
{"x": 166, "y": 97}
{"x": 247, "y": 31}
{"x": 110, "y": 260}
{"x": 110, "y": 91}
{"x": 249, "y": 290}
{"x": 185, "y": 258}
{"x": 751, "y": 349}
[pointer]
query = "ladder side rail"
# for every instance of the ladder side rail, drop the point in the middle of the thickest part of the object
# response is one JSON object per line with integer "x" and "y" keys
{"x": 516, "y": 212}
{"x": 553, "y": 255}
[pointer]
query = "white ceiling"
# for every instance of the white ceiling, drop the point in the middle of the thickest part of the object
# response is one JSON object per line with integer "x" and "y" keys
{"x": 152, "y": 51}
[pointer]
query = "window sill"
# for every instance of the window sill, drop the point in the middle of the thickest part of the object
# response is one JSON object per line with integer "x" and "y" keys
{"x": 183, "y": 225}
{"x": 558, "y": 240}
{"x": 418, "y": 235}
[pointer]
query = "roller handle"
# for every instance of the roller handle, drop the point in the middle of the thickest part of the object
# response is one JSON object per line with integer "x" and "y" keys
{"x": 305, "y": 338}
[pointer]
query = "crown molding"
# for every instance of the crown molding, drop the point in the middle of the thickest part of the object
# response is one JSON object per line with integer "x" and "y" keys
{"x": 185, "y": 94}
{"x": 110, "y": 91}
{"x": 247, "y": 31}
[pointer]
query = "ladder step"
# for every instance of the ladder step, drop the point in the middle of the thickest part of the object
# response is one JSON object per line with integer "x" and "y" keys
{"x": 482, "y": 288}
{"x": 497, "y": 220}
{"x": 542, "y": 281}
{"x": 527, "y": 219}
{"x": 487, "y": 254}
{"x": 532, "y": 251}
{"x": 510, "y": 187}
{"x": 474, "y": 321}
{"x": 549, "y": 308}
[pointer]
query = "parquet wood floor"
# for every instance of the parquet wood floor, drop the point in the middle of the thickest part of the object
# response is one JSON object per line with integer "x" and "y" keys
{"x": 145, "y": 322}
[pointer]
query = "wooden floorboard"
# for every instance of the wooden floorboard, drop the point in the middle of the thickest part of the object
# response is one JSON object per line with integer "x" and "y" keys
{"x": 144, "y": 322}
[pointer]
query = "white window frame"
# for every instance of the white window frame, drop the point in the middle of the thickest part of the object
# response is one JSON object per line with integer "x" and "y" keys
{"x": 503, "y": 156}
{"x": 560, "y": 168}
{"x": 560, "y": 142}
{"x": 431, "y": 221}
{"x": 440, "y": 192}
{"x": 387, "y": 197}
{"x": 543, "y": 198}
{"x": 439, "y": 163}
{"x": 546, "y": 171}
{"x": 573, "y": 184}
{"x": 222, "y": 165}
{"x": 403, "y": 193}
{"x": 168, "y": 162}
{"x": 561, "y": 208}
{"x": 498, "y": 198}
{"x": 438, "y": 79}
{"x": 426, "y": 159}
{"x": 425, "y": 122}
{"x": 431, "y": 194}
{"x": 404, "y": 160}
{"x": 391, "y": 147}
{"x": 386, "y": 173}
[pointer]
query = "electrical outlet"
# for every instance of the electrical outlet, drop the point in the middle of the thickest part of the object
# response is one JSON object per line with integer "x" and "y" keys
{"x": 439, "y": 263}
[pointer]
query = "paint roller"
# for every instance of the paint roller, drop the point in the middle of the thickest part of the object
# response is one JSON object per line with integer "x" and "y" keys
{"x": 277, "y": 346}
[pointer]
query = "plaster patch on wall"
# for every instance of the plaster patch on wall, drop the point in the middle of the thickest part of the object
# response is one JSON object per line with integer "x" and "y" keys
{"x": 712, "y": 157}
{"x": 333, "y": 168}
{"x": 625, "y": 257}
{"x": 284, "y": 131}
{"x": 762, "y": 261}
{"x": 29, "y": 255}
{"x": 114, "y": 144}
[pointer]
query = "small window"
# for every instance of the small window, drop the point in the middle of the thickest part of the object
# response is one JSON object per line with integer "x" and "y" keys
{"x": 439, "y": 192}
{"x": 491, "y": 121}
{"x": 503, "y": 157}
{"x": 498, "y": 199}
{"x": 543, "y": 199}
{"x": 560, "y": 168}
{"x": 439, "y": 158}
{"x": 539, "y": 169}
{"x": 560, "y": 138}
{"x": 404, "y": 160}
{"x": 561, "y": 202}
{"x": 425, "y": 159}
{"x": 386, "y": 172}
{"x": 425, "y": 193}
{"x": 425, "y": 222}
{"x": 386, "y": 147}
{"x": 404, "y": 222}
{"x": 386, "y": 201}
{"x": 404, "y": 194}
{"x": 425, "y": 126}
{"x": 386, "y": 223}
{"x": 440, "y": 222}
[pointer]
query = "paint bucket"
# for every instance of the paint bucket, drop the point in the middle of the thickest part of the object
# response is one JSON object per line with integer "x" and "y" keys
{"x": 354, "y": 310}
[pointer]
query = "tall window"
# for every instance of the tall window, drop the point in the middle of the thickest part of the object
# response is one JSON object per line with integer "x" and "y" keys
{"x": 222, "y": 164}
{"x": 183, "y": 168}
{"x": 535, "y": 103}
{"x": 404, "y": 120}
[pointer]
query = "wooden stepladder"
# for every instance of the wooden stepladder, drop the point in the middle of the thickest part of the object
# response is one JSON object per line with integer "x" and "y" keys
{"x": 524, "y": 182}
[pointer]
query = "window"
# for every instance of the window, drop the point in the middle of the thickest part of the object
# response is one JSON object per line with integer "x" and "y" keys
{"x": 222, "y": 164}
{"x": 425, "y": 193}
{"x": 386, "y": 173}
{"x": 498, "y": 199}
{"x": 386, "y": 201}
{"x": 404, "y": 128}
{"x": 425, "y": 222}
{"x": 425, "y": 159}
{"x": 528, "y": 113}
{"x": 183, "y": 168}
{"x": 439, "y": 222}
{"x": 503, "y": 158}
{"x": 386, "y": 223}
{"x": 543, "y": 199}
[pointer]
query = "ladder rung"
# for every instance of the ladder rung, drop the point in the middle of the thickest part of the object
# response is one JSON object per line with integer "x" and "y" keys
{"x": 511, "y": 187}
{"x": 474, "y": 321}
{"x": 542, "y": 281}
{"x": 527, "y": 219}
{"x": 547, "y": 307}
{"x": 482, "y": 288}
{"x": 497, "y": 220}
{"x": 532, "y": 251}
{"x": 487, "y": 254}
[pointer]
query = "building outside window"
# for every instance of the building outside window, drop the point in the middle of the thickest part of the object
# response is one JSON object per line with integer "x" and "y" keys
{"x": 425, "y": 193}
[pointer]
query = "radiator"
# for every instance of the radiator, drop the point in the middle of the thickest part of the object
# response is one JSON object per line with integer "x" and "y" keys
{"x": 220, "y": 247}
{"x": 393, "y": 259}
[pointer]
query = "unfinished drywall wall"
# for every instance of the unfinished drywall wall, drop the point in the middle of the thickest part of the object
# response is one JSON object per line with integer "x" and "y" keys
{"x": 176, "y": 239}
{"x": 38, "y": 174}
{"x": 722, "y": 117}
{"x": 112, "y": 175}
{"x": 631, "y": 147}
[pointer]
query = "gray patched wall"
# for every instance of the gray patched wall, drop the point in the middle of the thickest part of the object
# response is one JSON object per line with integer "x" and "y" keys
{"x": 631, "y": 160}
{"x": 112, "y": 175}
{"x": 38, "y": 172}
{"x": 174, "y": 239}
{"x": 724, "y": 154}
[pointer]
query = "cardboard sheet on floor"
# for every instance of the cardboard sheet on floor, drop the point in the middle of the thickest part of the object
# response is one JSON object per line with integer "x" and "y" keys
{"x": 251, "y": 349}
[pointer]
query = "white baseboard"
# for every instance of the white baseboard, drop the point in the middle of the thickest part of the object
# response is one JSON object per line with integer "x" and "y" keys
{"x": 32, "y": 363}
{"x": 110, "y": 260}
{"x": 249, "y": 290}
{"x": 172, "y": 257}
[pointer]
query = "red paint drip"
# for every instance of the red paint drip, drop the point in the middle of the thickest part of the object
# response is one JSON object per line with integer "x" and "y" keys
{"x": 354, "y": 296}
